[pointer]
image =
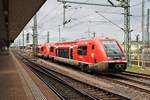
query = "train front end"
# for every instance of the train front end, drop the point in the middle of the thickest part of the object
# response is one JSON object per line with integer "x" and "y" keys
{"x": 109, "y": 56}
{"x": 116, "y": 58}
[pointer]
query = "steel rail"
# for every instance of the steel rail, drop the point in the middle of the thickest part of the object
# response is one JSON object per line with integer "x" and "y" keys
{"x": 51, "y": 73}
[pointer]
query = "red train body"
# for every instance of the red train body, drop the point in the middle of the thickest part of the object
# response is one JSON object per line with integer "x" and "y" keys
{"x": 95, "y": 54}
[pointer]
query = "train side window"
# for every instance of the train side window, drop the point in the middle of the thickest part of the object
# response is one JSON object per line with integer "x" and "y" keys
{"x": 51, "y": 49}
{"x": 56, "y": 51}
{"x": 63, "y": 52}
{"x": 93, "y": 46}
{"x": 42, "y": 49}
{"x": 82, "y": 50}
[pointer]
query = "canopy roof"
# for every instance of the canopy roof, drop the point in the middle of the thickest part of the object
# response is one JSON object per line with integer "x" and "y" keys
{"x": 14, "y": 15}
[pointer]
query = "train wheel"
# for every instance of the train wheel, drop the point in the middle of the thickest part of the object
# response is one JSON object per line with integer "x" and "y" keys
{"x": 84, "y": 68}
{"x": 52, "y": 60}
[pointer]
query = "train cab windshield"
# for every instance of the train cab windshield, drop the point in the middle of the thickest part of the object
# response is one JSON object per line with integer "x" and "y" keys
{"x": 112, "y": 49}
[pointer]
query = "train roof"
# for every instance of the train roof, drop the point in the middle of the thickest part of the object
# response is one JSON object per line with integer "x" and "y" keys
{"x": 94, "y": 38}
{"x": 79, "y": 41}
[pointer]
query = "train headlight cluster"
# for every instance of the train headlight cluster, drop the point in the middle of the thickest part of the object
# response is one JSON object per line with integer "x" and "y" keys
{"x": 109, "y": 58}
{"x": 123, "y": 57}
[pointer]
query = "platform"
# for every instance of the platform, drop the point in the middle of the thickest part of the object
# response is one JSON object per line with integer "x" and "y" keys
{"x": 16, "y": 83}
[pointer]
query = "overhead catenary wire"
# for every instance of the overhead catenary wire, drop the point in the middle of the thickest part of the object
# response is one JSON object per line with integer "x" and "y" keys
{"x": 49, "y": 12}
{"x": 53, "y": 26}
{"x": 57, "y": 14}
{"x": 49, "y": 19}
{"x": 131, "y": 16}
{"x": 44, "y": 18}
{"x": 41, "y": 19}
{"x": 109, "y": 20}
{"x": 54, "y": 17}
{"x": 138, "y": 4}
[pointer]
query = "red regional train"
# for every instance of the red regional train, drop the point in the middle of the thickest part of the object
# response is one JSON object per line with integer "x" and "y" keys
{"x": 101, "y": 54}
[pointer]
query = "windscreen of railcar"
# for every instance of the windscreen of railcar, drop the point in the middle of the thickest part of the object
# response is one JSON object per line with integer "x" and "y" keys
{"x": 112, "y": 49}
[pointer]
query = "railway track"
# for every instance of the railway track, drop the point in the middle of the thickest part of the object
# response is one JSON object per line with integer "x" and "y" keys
{"x": 69, "y": 88}
{"x": 140, "y": 82}
{"x": 61, "y": 88}
{"x": 140, "y": 75}
{"x": 58, "y": 85}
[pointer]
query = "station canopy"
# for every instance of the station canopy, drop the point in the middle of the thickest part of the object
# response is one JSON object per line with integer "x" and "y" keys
{"x": 14, "y": 15}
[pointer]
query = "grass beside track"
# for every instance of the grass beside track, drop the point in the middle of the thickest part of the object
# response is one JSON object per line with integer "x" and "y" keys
{"x": 137, "y": 69}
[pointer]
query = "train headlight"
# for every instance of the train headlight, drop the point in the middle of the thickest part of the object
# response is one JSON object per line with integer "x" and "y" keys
{"x": 92, "y": 55}
{"x": 123, "y": 57}
{"x": 109, "y": 58}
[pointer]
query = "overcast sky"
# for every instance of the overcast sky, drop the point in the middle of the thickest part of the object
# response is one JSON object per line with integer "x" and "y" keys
{"x": 84, "y": 19}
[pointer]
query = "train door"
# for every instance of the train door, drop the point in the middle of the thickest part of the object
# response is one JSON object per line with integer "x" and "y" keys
{"x": 56, "y": 52}
{"x": 92, "y": 54}
{"x": 71, "y": 53}
{"x": 82, "y": 52}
